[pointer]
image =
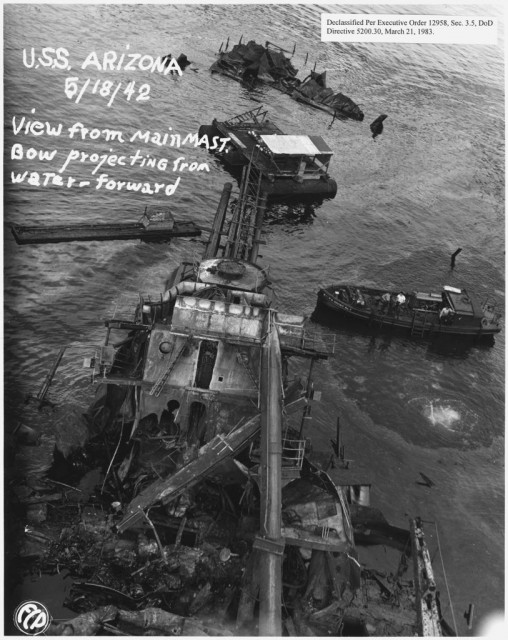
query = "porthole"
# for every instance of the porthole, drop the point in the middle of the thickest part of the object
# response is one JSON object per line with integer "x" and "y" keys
{"x": 165, "y": 347}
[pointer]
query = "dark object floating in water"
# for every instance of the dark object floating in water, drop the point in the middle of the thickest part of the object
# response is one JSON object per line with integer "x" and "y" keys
{"x": 377, "y": 126}
{"x": 182, "y": 61}
{"x": 286, "y": 165}
{"x": 314, "y": 92}
{"x": 250, "y": 63}
{"x": 41, "y": 396}
{"x": 156, "y": 225}
{"x": 427, "y": 482}
{"x": 453, "y": 311}
{"x": 454, "y": 255}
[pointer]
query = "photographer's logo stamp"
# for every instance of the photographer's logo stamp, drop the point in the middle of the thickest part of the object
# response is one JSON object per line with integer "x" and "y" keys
{"x": 32, "y": 618}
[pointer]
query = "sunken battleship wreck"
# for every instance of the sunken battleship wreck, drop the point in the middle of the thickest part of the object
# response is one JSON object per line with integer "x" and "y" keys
{"x": 215, "y": 516}
{"x": 253, "y": 63}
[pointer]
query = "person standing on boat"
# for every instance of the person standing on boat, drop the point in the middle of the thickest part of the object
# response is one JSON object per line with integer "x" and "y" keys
{"x": 446, "y": 315}
{"x": 399, "y": 301}
{"x": 385, "y": 302}
{"x": 360, "y": 300}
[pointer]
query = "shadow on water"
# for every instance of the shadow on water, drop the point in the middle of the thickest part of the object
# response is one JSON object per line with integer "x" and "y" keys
{"x": 298, "y": 211}
{"x": 382, "y": 337}
{"x": 458, "y": 346}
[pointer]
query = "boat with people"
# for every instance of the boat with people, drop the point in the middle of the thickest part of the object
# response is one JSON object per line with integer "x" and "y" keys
{"x": 453, "y": 311}
{"x": 286, "y": 165}
{"x": 252, "y": 63}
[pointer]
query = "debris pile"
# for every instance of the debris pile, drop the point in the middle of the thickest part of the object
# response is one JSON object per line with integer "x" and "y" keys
{"x": 250, "y": 61}
{"x": 314, "y": 90}
{"x": 191, "y": 567}
{"x": 170, "y": 575}
{"x": 253, "y": 62}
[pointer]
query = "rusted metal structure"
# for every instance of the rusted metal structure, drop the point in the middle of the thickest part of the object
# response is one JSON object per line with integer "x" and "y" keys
{"x": 199, "y": 388}
{"x": 252, "y": 63}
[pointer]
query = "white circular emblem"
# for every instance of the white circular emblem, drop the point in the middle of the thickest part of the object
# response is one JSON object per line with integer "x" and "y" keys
{"x": 32, "y": 618}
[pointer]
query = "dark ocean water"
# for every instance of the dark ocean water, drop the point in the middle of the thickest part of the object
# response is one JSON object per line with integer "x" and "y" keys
{"x": 433, "y": 182}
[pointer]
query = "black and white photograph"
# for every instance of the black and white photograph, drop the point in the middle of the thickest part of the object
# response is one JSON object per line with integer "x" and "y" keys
{"x": 254, "y": 319}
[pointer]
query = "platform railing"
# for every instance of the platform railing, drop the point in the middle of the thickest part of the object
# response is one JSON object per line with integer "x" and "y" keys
{"x": 297, "y": 337}
{"x": 256, "y": 115}
{"x": 293, "y": 452}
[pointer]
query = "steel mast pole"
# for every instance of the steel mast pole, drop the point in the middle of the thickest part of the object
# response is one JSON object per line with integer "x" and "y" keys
{"x": 271, "y": 553}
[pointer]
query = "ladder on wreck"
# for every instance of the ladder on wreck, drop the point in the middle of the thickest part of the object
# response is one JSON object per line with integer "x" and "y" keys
{"x": 245, "y": 227}
{"x": 426, "y": 326}
{"x": 210, "y": 457}
{"x": 161, "y": 380}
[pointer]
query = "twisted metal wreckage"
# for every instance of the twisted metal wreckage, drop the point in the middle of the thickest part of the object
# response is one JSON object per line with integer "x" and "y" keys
{"x": 223, "y": 520}
{"x": 253, "y": 63}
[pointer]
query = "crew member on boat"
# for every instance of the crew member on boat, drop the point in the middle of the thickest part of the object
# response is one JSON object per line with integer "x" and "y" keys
{"x": 400, "y": 300}
{"x": 360, "y": 300}
{"x": 385, "y": 301}
{"x": 446, "y": 315}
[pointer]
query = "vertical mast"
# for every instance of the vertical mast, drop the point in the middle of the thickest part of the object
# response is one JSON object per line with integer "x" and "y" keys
{"x": 271, "y": 549}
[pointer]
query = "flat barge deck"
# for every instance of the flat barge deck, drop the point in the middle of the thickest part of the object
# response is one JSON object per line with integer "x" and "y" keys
{"x": 156, "y": 225}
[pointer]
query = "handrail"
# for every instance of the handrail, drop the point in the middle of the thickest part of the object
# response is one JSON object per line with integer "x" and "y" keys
{"x": 253, "y": 113}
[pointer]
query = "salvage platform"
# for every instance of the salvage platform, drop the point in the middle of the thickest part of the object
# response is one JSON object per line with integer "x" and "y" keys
{"x": 156, "y": 225}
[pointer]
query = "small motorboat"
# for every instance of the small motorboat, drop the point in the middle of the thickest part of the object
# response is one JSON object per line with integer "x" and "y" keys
{"x": 453, "y": 311}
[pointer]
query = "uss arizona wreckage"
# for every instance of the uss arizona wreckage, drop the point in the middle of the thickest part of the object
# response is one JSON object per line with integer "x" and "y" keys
{"x": 218, "y": 516}
{"x": 252, "y": 63}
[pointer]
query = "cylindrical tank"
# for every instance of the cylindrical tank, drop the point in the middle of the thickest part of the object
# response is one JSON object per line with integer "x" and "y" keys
{"x": 326, "y": 187}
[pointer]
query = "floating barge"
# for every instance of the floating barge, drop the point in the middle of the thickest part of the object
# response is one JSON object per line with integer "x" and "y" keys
{"x": 287, "y": 165}
{"x": 250, "y": 63}
{"x": 453, "y": 311}
{"x": 156, "y": 225}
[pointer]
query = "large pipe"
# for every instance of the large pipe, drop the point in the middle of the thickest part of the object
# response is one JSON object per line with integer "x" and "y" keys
{"x": 184, "y": 289}
{"x": 235, "y": 225}
{"x": 218, "y": 222}
{"x": 270, "y": 587}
